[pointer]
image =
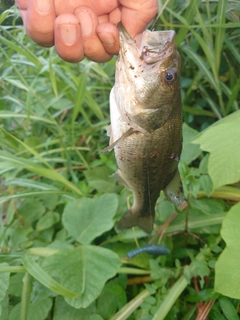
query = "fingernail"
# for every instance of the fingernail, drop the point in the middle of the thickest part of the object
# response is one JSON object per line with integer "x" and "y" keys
{"x": 106, "y": 38}
{"x": 43, "y": 5}
{"x": 86, "y": 23}
{"x": 68, "y": 34}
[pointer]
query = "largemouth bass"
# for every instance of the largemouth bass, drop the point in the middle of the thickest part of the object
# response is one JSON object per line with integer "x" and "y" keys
{"x": 145, "y": 130}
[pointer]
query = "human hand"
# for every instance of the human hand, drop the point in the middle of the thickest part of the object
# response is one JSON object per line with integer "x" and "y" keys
{"x": 84, "y": 28}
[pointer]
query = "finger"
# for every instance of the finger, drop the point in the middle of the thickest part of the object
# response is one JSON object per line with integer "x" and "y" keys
{"x": 140, "y": 11}
{"x": 100, "y": 7}
{"x": 108, "y": 34}
{"x": 103, "y": 19}
{"x": 93, "y": 47}
{"x": 115, "y": 16}
{"x": 40, "y": 21}
{"x": 68, "y": 39}
{"x": 22, "y": 4}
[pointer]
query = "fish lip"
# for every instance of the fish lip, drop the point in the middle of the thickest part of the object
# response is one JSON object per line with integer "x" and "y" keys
{"x": 154, "y": 46}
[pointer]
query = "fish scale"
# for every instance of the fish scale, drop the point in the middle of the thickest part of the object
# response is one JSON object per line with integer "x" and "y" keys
{"x": 145, "y": 108}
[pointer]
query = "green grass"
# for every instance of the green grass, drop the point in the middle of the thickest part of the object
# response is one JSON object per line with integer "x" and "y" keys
{"x": 55, "y": 184}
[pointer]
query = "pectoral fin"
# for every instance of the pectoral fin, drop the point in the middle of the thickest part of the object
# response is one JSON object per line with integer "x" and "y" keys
{"x": 113, "y": 144}
{"x": 174, "y": 190}
{"x": 109, "y": 132}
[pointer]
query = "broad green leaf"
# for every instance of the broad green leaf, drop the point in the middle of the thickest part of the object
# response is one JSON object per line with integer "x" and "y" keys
{"x": 190, "y": 151}
{"x": 40, "y": 292}
{"x": 99, "y": 179}
{"x": 112, "y": 298}
{"x": 4, "y": 308}
{"x": 96, "y": 317}
{"x": 84, "y": 270}
{"x": 222, "y": 142}
{"x": 201, "y": 270}
{"x": 39, "y": 274}
{"x": 85, "y": 219}
{"x": 31, "y": 211}
{"x": 203, "y": 295}
{"x": 47, "y": 221}
{"x": 4, "y": 282}
{"x": 36, "y": 311}
{"x": 63, "y": 311}
{"x": 227, "y": 280}
{"x": 205, "y": 206}
{"x": 16, "y": 284}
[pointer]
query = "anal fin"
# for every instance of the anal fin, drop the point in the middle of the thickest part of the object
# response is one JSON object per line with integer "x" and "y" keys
{"x": 118, "y": 176}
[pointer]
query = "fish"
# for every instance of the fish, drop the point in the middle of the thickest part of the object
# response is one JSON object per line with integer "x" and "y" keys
{"x": 146, "y": 123}
{"x": 153, "y": 249}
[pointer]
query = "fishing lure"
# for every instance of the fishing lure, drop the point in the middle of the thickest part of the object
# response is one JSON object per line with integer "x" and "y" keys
{"x": 153, "y": 249}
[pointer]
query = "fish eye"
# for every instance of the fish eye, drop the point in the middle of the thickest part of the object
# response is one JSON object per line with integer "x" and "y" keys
{"x": 170, "y": 76}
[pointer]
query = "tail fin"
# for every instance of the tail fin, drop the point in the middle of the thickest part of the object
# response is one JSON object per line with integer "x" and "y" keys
{"x": 131, "y": 219}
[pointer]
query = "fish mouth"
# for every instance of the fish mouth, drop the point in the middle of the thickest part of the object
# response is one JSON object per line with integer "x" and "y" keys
{"x": 154, "y": 46}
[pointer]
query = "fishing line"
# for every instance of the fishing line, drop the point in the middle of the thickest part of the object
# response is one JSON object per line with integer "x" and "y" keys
{"x": 159, "y": 14}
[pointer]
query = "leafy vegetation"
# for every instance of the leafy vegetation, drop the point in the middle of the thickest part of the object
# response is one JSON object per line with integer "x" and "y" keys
{"x": 61, "y": 255}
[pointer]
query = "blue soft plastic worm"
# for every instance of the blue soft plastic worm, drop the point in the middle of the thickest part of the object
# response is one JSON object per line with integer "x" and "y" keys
{"x": 153, "y": 249}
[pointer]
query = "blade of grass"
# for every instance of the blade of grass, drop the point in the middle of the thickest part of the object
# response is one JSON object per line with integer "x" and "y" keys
{"x": 18, "y": 47}
{"x": 94, "y": 106}
{"x": 133, "y": 270}
{"x": 8, "y": 115}
{"x": 52, "y": 77}
{"x": 201, "y": 65}
{"x": 233, "y": 49}
{"x": 221, "y": 17}
{"x": 199, "y": 112}
{"x": 23, "y": 195}
{"x": 232, "y": 94}
{"x": 80, "y": 94}
{"x": 48, "y": 173}
{"x": 210, "y": 101}
{"x": 40, "y": 275}
{"x": 131, "y": 306}
{"x": 209, "y": 52}
{"x": 25, "y": 297}
{"x": 188, "y": 17}
{"x": 27, "y": 147}
{"x": 12, "y": 269}
{"x": 21, "y": 182}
